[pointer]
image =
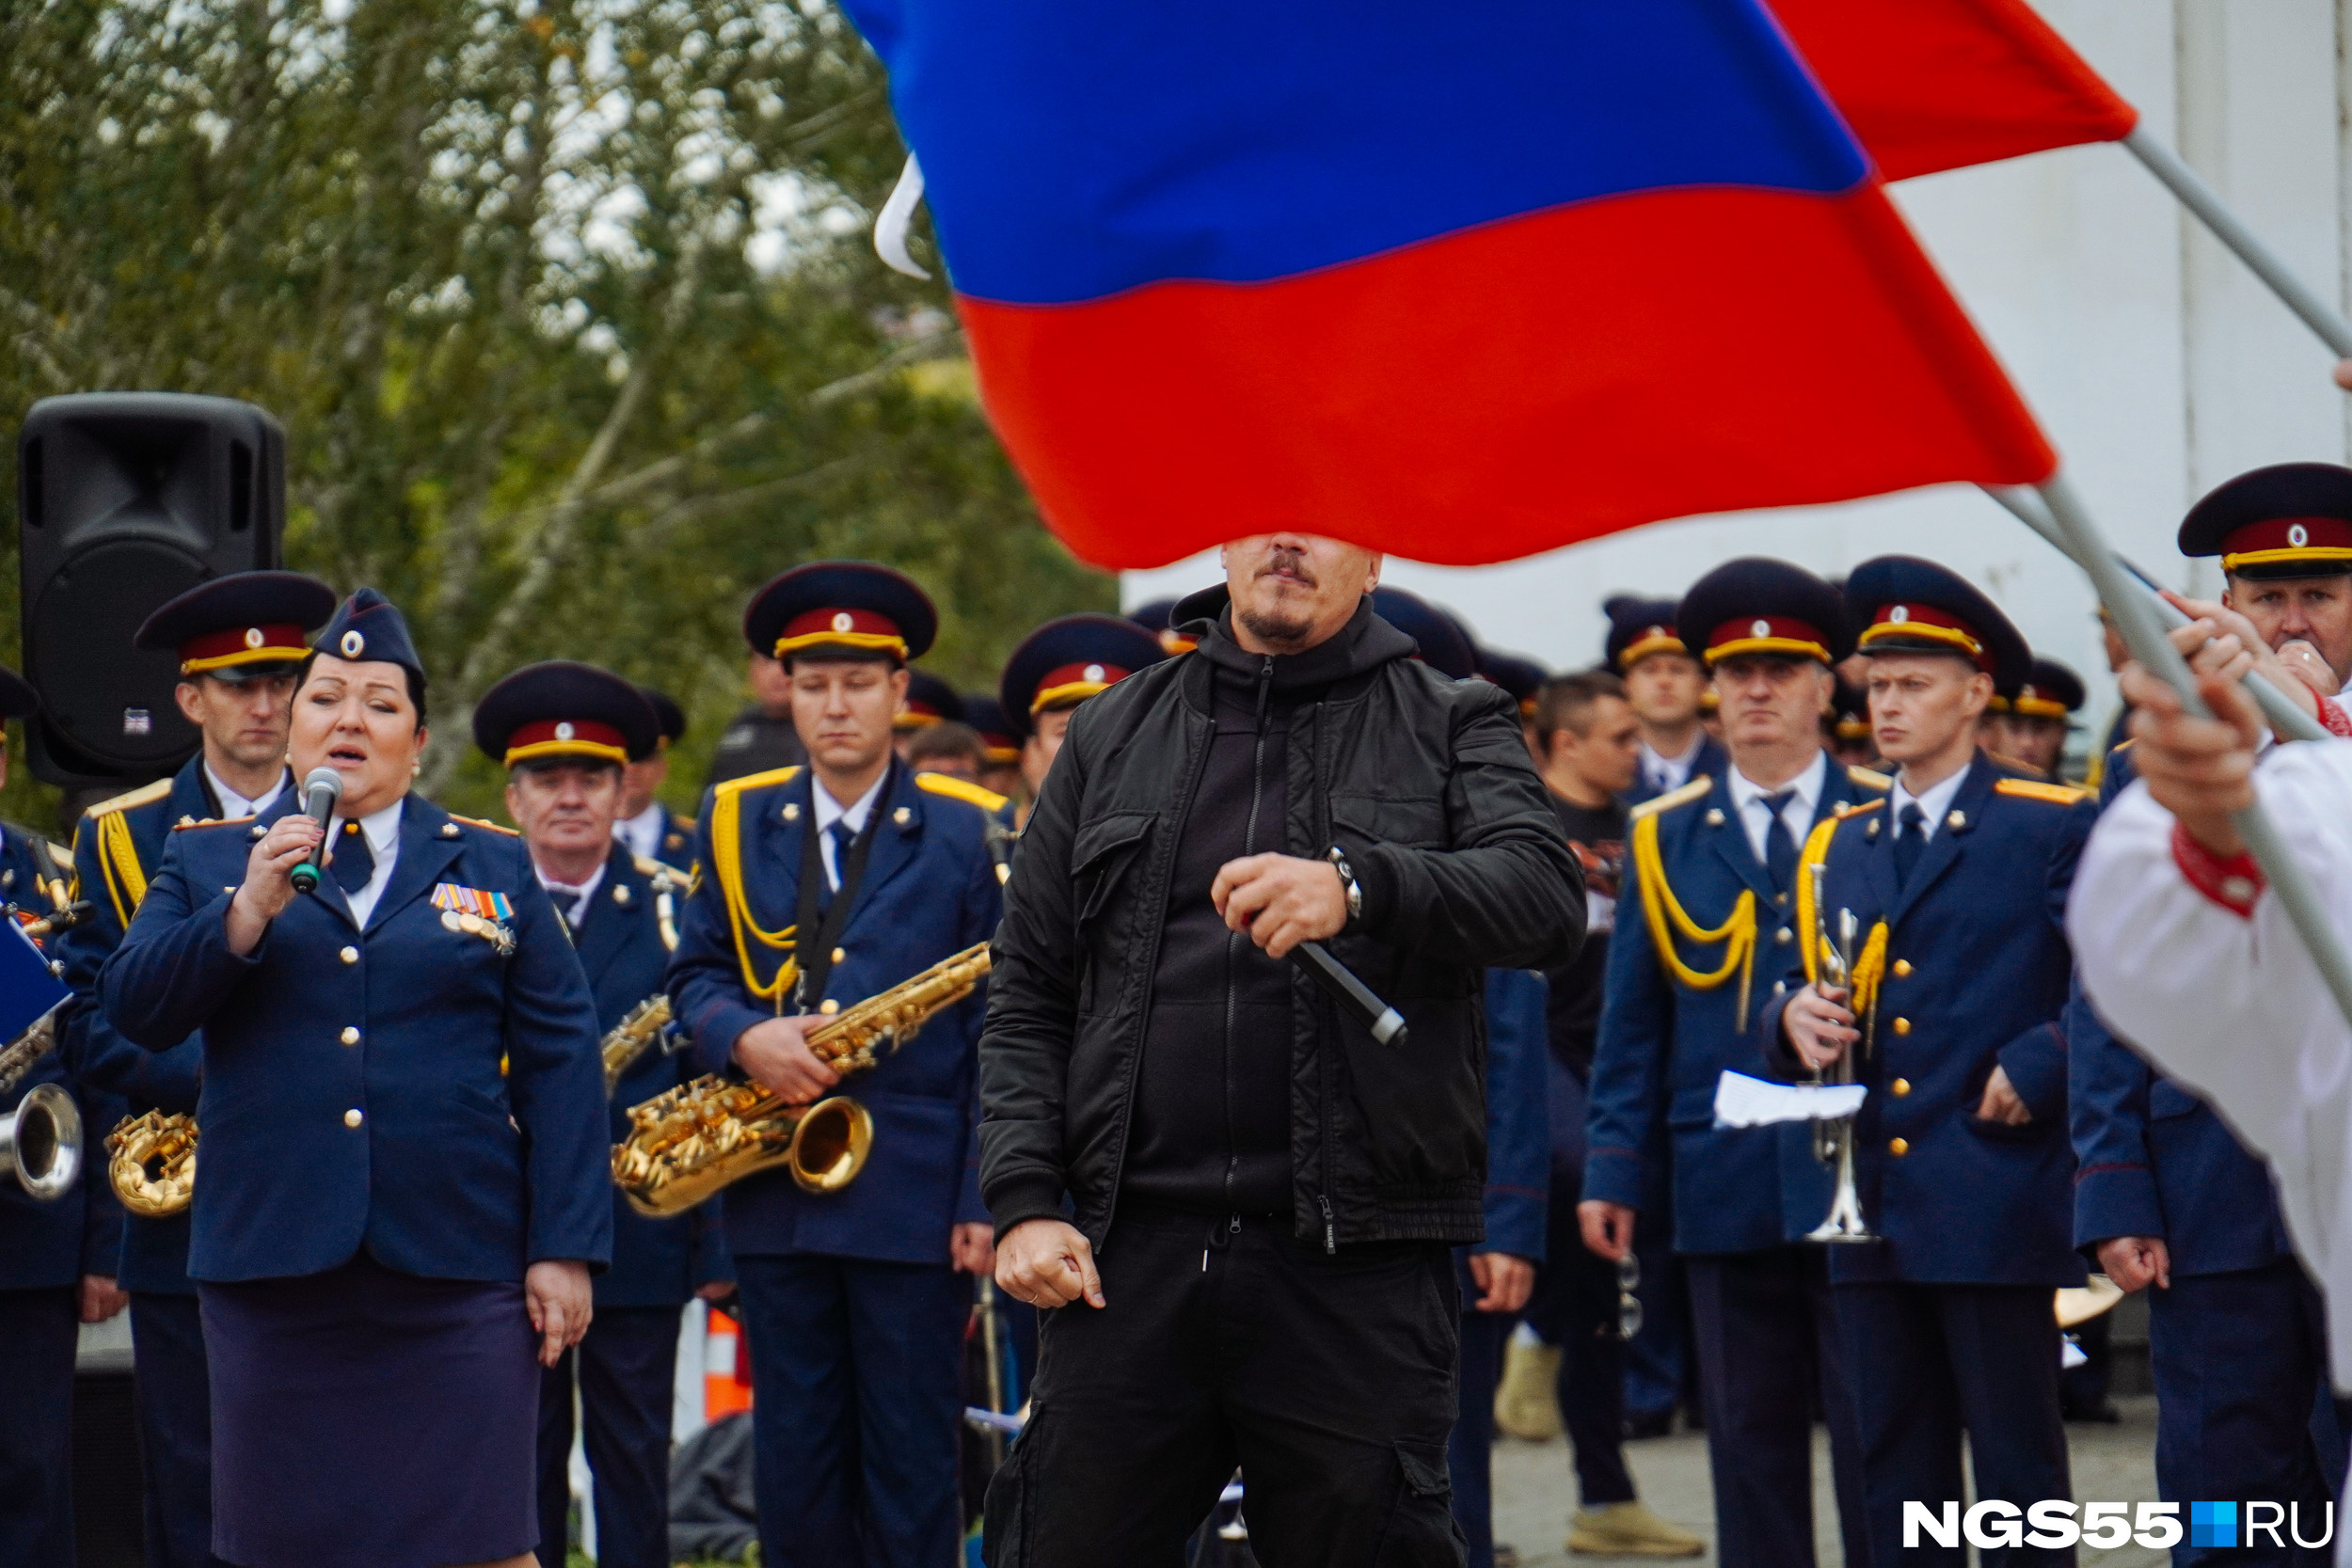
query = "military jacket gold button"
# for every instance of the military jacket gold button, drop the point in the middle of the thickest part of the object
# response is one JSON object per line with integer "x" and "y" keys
{"x": 1898, "y": 1146}
{"x": 839, "y": 954}
{"x": 828, "y": 1005}
{"x": 1781, "y": 936}
{"x": 351, "y": 1037}
{"x": 1900, "y": 1085}
{"x": 1902, "y": 969}
{"x": 1902, "y": 1026}
{"x": 353, "y": 1118}
{"x": 349, "y": 955}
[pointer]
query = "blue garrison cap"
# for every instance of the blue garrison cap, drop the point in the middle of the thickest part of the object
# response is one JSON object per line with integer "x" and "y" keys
{"x": 369, "y": 628}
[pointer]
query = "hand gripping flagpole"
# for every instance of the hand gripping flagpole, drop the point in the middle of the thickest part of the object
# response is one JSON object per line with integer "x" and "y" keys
{"x": 2143, "y": 634}
{"x": 2203, "y": 200}
{"x": 2285, "y": 717}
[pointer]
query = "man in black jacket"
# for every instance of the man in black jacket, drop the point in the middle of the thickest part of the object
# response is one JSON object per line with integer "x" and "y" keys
{"x": 1251, "y": 1201}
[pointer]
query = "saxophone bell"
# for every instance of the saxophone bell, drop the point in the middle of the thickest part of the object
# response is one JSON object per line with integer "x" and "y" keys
{"x": 831, "y": 1144}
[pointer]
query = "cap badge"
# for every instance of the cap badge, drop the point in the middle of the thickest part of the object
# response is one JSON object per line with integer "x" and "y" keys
{"x": 353, "y": 643}
{"x": 1094, "y": 672}
{"x": 1760, "y": 629}
{"x": 1897, "y": 615}
{"x": 1654, "y": 631}
{"x": 2299, "y": 536}
{"x": 841, "y": 620}
{"x": 564, "y": 731}
{"x": 253, "y": 637}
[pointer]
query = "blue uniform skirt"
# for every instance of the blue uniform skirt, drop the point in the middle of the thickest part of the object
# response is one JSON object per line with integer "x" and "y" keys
{"x": 372, "y": 1418}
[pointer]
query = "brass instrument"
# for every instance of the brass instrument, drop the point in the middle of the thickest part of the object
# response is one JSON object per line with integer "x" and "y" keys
{"x": 630, "y": 1038}
{"x": 150, "y": 1163}
{"x": 40, "y": 1141}
{"x": 1833, "y": 1141}
{"x": 690, "y": 1142}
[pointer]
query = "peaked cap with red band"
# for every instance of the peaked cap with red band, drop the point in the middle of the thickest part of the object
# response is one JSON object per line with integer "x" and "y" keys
{"x": 1071, "y": 659}
{"x": 2288, "y": 521}
{"x": 929, "y": 700}
{"x": 841, "y": 610}
{"x": 2051, "y": 691}
{"x": 1639, "y": 628}
{"x": 1756, "y": 606}
{"x": 242, "y": 626}
{"x": 985, "y": 713}
{"x": 564, "y": 711}
{"x": 1904, "y": 605}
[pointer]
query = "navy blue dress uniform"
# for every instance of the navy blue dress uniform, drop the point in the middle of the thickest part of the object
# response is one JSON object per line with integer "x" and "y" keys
{"x": 1704, "y": 931}
{"x": 854, "y": 1314}
{"x": 2237, "y": 1343}
{"x": 623, "y": 927}
{"x": 1517, "y": 1204}
{"x": 246, "y": 626}
{"x": 45, "y": 1250}
{"x": 1947, "y": 1318}
{"x": 398, "y": 1117}
{"x": 1639, "y": 628}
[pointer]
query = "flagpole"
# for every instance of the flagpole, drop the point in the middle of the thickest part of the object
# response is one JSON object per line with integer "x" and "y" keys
{"x": 2143, "y": 633}
{"x": 2285, "y": 717}
{"x": 2203, "y": 200}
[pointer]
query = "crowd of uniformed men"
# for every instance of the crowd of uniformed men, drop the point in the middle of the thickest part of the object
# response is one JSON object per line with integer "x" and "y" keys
{"x": 1747, "y": 767}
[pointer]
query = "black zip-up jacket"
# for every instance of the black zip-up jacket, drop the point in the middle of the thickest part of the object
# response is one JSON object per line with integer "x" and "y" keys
{"x": 1427, "y": 787}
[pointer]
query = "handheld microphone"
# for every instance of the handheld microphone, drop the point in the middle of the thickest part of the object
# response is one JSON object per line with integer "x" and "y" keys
{"x": 1358, "y": 1000}
{"x": 320, "y": 791}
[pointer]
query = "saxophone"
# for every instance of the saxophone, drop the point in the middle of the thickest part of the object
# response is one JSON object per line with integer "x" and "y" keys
{"x": 632, "y": 1038}
{"x": 691, "y": 1141}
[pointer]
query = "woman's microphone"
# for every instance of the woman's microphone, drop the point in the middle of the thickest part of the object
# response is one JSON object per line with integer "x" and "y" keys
{"x": 320, "y": 791}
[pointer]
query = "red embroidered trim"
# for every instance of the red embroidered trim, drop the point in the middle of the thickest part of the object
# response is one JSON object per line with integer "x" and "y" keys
{"x": 2332, "y": 716}
{"x": 2233, "y": 884}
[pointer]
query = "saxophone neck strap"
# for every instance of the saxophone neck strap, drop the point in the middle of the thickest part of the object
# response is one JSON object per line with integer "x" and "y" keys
{"x": 825, "y": 925}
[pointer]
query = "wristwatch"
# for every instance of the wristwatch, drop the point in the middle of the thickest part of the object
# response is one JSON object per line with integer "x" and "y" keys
{"x": 1348, "y": 883}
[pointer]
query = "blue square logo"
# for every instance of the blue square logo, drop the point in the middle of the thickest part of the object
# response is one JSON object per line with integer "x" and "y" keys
{"x": 2212, "y": 1524}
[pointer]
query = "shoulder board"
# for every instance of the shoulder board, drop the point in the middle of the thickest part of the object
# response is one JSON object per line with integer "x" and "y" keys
{"x": 2034, "y": 789}
{"x": 682, "y": 824}
{"x": 960, "y": 789}
{"x": 648, "y": 866}
{"x": 207, "y": 822}
{"x": 1695, "y": 790}
{"x": 138, "y": 797}
{"x": 1858, "y": 808}
{"x": 2122, "y": 746}
{"x": 1866, "y": 778}
{"x": 477, "y": 822}
{"x": 2018, "y": 764}
{"x": 756, "y": 781}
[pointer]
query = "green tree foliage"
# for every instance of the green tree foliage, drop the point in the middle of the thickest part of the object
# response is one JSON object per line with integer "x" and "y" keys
{"x": 568, "y": 306}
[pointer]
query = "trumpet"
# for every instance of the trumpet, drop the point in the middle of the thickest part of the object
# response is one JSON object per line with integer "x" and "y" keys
{"x": 1833, "y": 1141}
{"x": 691, "y": 1141}
{"x": 150, "y": 1163}
{"x": 40, "y": 1141}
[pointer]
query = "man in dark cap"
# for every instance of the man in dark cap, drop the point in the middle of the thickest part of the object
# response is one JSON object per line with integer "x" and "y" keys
{"x": 1710, "y": 911}
{"x": 2033, "y": 722}
{"x": 33, "y": 874}
{"x": 565, "y": 732}
{"x": 929, "y": 702}
{"x": 239, "y": 640}
{"x": 1153, "y": 618}
{"x": 760, "y": 738}
{"x": 1238, "y": 1208}
{"x": 820, "y": 887}
{"x": 2284, "y": 538}
{"x": 1665, "y": 682}
{"x": 1957, "y": 1016}
{"x": 1000, "y": 742}
{"x": 650, "y": 829}
{"x": 1058, "y": 666}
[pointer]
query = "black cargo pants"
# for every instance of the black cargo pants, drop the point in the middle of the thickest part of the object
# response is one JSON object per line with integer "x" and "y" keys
{"x": 1327, "y": 1379}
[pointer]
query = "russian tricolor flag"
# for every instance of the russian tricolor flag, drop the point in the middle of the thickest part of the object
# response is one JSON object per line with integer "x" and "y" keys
{"x": 1463, "y": 285}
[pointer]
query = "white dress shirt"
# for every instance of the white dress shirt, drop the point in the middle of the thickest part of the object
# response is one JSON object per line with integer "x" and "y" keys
{"x": 2231, "y": 1007}
{"x": 1933, "y": 806}
{"x": 829, "y": 811}
{"x": 383, "y": 830}
{"x": 586, "y": 890}
{"x": 1662, "y": 773}
{"x": 641, "y": 832}
{"x": 233, "y": 805}
{"x": 1753, "y": 801}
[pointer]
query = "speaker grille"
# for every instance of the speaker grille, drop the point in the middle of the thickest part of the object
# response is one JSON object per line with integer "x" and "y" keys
{"x": 104, "y": 698}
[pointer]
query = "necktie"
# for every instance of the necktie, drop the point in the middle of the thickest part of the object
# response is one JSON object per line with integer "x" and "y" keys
{"x": 355, "y": 861}
{"x": 1780, "y": 845}
{"x": 1908, "y": 842}
{"x": 566, "y": 900}
{"x": 843, "y": 837}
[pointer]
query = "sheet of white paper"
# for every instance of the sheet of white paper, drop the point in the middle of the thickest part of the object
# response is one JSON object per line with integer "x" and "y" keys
{"x": 1744, "y": 1102}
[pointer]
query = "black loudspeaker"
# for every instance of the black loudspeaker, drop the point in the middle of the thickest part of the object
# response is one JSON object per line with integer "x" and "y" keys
{"x": 125, "y": 500}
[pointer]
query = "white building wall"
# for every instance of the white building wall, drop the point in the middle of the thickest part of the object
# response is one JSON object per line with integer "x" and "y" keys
{"x": 2155, "y": 361}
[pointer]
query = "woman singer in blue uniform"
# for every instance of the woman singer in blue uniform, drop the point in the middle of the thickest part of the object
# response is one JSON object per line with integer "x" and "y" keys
{"x": 403, "y": 1185}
